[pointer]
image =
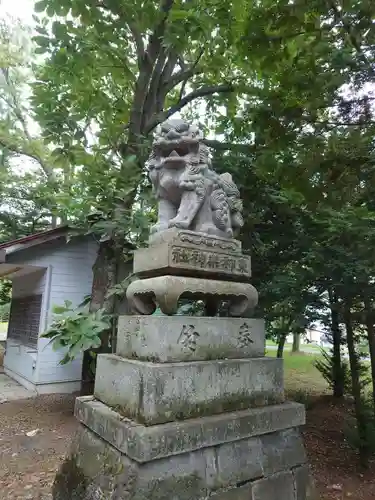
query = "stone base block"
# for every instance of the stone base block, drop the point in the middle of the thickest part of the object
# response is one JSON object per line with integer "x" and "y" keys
{"x": 154, "y": 393}
{"x": 181, "y": 252}
{"x": 187, "y": 338}
{"x": 145, "y": 443}
{"x": 250, "y": 469}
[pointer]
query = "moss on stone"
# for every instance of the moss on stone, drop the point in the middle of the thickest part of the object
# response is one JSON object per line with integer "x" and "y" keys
{"x": 182, "y": 410}
{"x": 222, "y": 405}
{"x": 70, "y": 481}
{"x": 147, "y": 359}
{"x": 203, "y": 353}
{"x": 182, "y": 487}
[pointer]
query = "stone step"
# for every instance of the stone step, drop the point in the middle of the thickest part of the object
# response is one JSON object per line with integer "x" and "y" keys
{"x": 154, "y": 393}
{"x": 267, "y": 467}
{"x": 146, "y": 443}
{"x": 167, "y": 339}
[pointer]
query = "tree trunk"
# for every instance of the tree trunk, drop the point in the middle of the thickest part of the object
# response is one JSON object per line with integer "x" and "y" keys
{"x": 281, "y": 345}
{"x": 371, "y": 340}
{"x": 338, "y": 374}
{"x": 105, "y": 277}
{"x": 360, "y": 415}
{"x": 296, "y": 342}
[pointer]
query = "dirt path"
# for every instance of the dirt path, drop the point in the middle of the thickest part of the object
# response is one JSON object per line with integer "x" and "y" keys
{"x": 28, "y": 463}
{"x": 334, "y": 463}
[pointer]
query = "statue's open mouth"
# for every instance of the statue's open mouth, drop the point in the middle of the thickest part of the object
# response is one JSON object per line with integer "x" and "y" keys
{"x": 176, "y": 151}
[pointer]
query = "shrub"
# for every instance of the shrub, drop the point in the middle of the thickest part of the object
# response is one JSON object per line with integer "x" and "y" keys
{"x": 4, "y": 312}
{"x": 76, "y": 330}
{"x": 325, "y": 365}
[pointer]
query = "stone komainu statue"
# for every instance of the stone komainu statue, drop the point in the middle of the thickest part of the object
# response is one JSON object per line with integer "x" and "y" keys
{"x": 190, "y": 194}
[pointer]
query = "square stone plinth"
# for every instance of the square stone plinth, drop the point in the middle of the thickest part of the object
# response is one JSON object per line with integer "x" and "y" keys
{"x": 182, "y": 338}
{"x": 177, "y": 252}
{"x": 146, "y": 443}
{"x": 154, "y": 393}
{"x": 232, "y": 471}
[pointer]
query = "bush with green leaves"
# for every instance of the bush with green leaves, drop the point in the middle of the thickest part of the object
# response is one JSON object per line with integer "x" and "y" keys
{"x": 4, "y": 312}
{"x": 325, "y": 365}
{"x": 352, "y": 434}
{"x": 76, "y": 329}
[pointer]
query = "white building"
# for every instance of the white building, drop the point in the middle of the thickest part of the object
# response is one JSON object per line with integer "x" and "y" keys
{"x": 45, "y": 269}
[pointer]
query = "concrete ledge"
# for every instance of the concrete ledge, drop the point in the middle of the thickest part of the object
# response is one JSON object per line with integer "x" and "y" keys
{"x": 155, "y": 393}
{"x": 63, "y": 387}
{"x": 27, "y": 384}
{"x": 144, "y": 444}
{"x": 181, "y": 338}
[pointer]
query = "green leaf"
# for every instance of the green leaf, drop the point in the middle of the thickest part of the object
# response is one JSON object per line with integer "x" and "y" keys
{"x": 66, "y": 359}
{"x": 59, "y": 309}
{"x": 42, "y": 41}
{"x": 41, "y": 6}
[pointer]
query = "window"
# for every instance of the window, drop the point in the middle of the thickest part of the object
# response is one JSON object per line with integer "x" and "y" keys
{"x": 24, "y": 319}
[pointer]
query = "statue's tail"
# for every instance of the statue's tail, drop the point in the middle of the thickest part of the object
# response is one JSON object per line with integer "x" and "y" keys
{"x": 234, "y": 201}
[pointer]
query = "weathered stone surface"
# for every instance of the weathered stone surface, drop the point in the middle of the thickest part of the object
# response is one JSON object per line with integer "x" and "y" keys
{"x": 190, "y": 194}
{"x": 277, "y": 487}
{"x": 304, "y": 484}
{"x": 282, "y": 451}
{"x": 239, "y": 459}
{"x": 144, "y": 444}
{"x": 165, "y": 291}
{"x": 154, "y": 393}
{"x": 207, "y": 258}
{"x": 194, "y": 240}
{"x": 96, "y": 470}
{"x": 238, "y": 493}
{"x": 182, "y": 338}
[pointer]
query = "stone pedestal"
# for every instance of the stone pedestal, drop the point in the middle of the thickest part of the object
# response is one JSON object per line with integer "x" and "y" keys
{"x": 188, "y": 408}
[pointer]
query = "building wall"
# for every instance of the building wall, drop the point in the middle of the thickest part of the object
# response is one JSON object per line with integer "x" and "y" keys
{"x": 19, "y": 358}
{"x": 67, "y": 276}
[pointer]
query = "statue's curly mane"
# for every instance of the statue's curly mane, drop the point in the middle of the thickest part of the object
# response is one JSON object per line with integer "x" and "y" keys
{"x": 178, "y": 150}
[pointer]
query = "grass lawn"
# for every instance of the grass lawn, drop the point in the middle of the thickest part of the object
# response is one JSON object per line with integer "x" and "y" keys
{"x": 301, "y": 374}
{"x": 3, "y": 326}
{"x": 288, "y": 346}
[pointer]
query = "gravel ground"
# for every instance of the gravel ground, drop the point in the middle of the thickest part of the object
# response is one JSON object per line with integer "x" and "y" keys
{"x": 35, "y": 435}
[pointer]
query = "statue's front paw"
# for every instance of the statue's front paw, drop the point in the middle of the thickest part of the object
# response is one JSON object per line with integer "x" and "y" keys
{"x": 180, "y": 222}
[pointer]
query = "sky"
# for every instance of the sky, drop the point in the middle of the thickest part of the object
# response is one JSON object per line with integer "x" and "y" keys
{"x": 21, "y": 9}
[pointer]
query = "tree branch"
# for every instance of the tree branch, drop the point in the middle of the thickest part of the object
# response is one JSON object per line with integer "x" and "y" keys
{"x": 34, "y": 156}
{"x": 169, "y": 67}
{"x": 15, "y": 104}
{"x": 338, "y": 15}
{"x": 229, "y": 146}
{"x": 202, "y": 92}
{"x": 156, "y": 37}
{"x": 139, "y": 45}
{"x": 137, "y": 35}
{"x": 145, "y": 73}
{"x": 149, "y": 107}
{"x": 165, "y": 76}
{"x": 184, "y": 75}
